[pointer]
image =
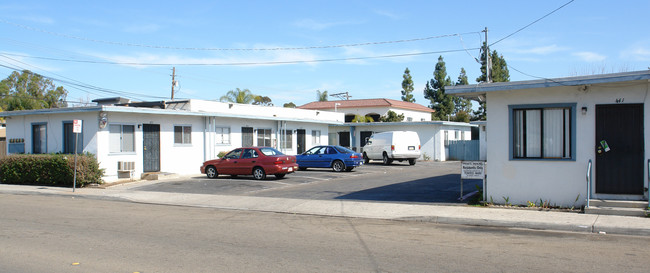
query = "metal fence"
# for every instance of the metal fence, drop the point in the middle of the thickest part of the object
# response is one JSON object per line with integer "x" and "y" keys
{"x": 464, "y": 150}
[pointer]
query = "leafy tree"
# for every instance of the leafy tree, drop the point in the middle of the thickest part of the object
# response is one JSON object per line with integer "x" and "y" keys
{"x": 407, "y": 86}
{"x": 27, "y": 90}
{"x": 462, "y": 116}
{"x": 289, "y": 105}
{"x": 321, "y": 96}
{"x": 434, "y": 90}
{"x": 363, "y": 119}
{"x": 498, "y": 73}
{"x": 462, "y": 104}
{"x": 262, "y": 100}
{"x": 238, "y": 96}
{"x": 391, "y": 116}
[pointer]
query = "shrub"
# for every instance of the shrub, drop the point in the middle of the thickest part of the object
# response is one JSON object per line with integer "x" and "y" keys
{"x": 50, "y": 170}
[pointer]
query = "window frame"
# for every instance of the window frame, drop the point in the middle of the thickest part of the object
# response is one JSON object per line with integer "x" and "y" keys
{"x": 219, "y": 131}
{"x": 572, "y": 130}
{"x": 315, "y": 137}
{"x": 79, "y": 141}
{"x": 262, "y": 135}
{"x": 44, "y": 144}
{"x": 122, "y": 151}
{"x": 183, "y": 132}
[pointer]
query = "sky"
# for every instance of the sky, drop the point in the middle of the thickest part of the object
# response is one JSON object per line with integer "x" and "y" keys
{"x": 287, "y": 50}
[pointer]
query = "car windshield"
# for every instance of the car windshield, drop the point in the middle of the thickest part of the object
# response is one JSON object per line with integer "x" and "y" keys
{"x": 344, "y": 150}
{"x": 270, "y": 151}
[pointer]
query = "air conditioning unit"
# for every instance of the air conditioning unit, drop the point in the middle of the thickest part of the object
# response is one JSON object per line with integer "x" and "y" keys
{"x": 125, "y": 166}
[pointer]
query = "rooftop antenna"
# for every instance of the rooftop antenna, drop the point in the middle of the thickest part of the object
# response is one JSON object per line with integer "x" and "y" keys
{"x": 342, "y": 96}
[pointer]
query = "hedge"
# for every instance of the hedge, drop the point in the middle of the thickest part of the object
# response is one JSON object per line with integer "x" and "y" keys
{"x": 50, "y": 170}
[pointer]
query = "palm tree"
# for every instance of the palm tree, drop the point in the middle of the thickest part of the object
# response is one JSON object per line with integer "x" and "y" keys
{"x": 322, "y": 96}
{"x": 238, "y": 96}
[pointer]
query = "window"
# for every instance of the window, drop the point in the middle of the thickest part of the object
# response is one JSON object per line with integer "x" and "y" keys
{"x": 315, "y": 137}
{"x": 446, "y": 138}
{"x": 222, "y": 135}
{"x": 69, "y": 139}
{"x": 246, "y": 136}
{"x": 287, "y": 140}
{"x": 264, "y": 137}
{"x": 182, "y": 134}
{"x": 121, "y": 138}
{"x": 39, "y": 138}
{"x": 543, "y": 132}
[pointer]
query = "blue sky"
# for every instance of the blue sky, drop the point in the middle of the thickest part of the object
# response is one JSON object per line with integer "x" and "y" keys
{"x": 287, "y": 50}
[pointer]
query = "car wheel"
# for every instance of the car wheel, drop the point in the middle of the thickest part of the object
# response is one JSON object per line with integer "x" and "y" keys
{"x": 280, "y": 175}
{"x": 349, "y": 169}
{"x": 211, "y": 172}
{"x": 259, "y": 173}
{"x": 411, "y": 161}
{"x": 338, "y": 166}
{"x": 386, "y": 160}
{"x": 366, "y": 160}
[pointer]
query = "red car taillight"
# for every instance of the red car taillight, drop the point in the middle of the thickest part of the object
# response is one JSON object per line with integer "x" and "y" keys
{"x": 354, "y": 156}
{"x": 392, "y": 147}
{"x": 278, "y": 162}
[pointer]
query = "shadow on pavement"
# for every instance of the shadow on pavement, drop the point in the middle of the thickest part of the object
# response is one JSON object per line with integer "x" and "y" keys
{"x": 439, "y": 189}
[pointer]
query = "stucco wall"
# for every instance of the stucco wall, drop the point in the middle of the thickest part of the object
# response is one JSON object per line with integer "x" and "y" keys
{"x": 558, "y": 182}
{"x": 174, "y": 158}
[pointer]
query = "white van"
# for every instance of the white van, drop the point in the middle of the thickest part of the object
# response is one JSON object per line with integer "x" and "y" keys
{"x": 393, "y": 145}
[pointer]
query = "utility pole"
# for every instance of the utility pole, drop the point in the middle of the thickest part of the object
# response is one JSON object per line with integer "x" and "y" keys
{"x": 486, "y": 50}
{"x": 173, "y": 80}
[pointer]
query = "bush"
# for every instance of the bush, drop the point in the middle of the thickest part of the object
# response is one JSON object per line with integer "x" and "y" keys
{"x": 50, "y": 170}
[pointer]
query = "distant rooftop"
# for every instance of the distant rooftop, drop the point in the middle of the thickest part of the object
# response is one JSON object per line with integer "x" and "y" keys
{"x": 365, "y": 103}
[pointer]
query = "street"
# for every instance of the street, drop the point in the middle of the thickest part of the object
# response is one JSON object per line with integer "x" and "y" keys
{"x": 40, "y": 233}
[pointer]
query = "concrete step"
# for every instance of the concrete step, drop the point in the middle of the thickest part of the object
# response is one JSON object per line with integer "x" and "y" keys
{"x": 618, "y": 203}
{"x": 158, "y": 176}
{"x": 640, "y": 212}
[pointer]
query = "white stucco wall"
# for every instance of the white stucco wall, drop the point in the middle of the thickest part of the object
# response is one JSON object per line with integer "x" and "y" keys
{"x": 558, "y": 182}
{"x": 431, "y": 135}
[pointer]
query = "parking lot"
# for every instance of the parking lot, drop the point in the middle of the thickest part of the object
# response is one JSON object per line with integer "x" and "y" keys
{"x": 428, "y": 182}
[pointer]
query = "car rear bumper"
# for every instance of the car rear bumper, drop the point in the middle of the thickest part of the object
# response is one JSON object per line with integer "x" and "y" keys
{"x": 353, "y": 163}
{"x": 284, "y": 168}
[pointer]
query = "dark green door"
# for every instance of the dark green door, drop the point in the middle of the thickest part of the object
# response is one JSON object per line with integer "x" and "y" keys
{"x": 151, "y": 147}
{"x": 619, "y": 149}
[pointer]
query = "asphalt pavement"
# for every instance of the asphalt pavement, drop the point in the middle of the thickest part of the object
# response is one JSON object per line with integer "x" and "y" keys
{"x": 434, "y": 213}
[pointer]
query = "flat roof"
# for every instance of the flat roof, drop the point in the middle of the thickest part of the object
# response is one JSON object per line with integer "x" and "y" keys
{"x": 406, "y": 123}
{"x": 474, "y": 90}
{"x": 153, "y": 111}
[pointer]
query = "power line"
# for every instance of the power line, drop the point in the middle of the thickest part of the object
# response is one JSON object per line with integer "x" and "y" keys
{"x": 228, "y": 49}
{"x": 247, "y": 63}
{"x": 84, "y": 86}
{"x": 567, "y": 3}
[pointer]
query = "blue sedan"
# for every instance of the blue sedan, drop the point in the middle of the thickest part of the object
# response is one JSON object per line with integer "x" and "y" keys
{"x": 329, "y": 156}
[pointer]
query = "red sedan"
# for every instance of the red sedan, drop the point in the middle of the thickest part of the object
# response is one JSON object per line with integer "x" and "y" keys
{"x": 258, "y": 161}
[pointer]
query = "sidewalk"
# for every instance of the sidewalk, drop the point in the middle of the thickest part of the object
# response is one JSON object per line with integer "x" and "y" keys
{"x": 458, "y": 215}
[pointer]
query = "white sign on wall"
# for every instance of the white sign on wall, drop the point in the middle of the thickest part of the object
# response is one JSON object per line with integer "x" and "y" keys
{"x": 472, "y": 170}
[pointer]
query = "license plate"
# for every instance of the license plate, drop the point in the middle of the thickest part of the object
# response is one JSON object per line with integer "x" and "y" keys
{"x": 411, "y": 148}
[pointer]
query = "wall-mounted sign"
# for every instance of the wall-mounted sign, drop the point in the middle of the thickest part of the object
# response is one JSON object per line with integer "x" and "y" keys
{"x": 76, "y": 126}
